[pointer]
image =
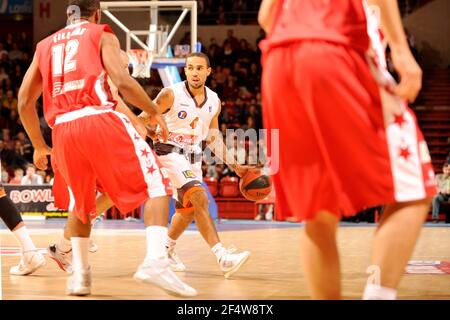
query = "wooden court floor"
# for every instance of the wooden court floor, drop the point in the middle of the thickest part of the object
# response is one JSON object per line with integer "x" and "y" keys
{"x": 272, "y": 272}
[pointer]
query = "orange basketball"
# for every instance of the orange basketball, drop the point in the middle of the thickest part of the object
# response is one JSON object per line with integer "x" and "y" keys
{"x": 255, "y": 186}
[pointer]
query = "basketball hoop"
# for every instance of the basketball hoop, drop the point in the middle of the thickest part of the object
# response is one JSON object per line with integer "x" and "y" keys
{"x": 141, "y": 60}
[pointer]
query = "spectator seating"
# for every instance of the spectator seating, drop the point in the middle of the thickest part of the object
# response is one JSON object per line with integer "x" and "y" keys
{"x": 213, "y": 185}
{"x": 229, "y": 187}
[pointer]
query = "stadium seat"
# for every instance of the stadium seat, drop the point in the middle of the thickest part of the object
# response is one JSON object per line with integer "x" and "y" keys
{"x": 229, "y": 187}
{"x": 213, "y": 185}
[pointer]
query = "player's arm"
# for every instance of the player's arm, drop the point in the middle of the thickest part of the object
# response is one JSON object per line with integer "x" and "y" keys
{"x": 164, "y": 101}
{"x": 127, "y": 86}
{"x": 216, "y": 144}
{"x": 123, "y": 108}
{"x": 402, "y": 58}
{"x": 29, "y": 93}
{"x": 266, "y": 14}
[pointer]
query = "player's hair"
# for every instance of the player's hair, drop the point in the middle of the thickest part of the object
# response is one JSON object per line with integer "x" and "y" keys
{"x": 87, "y": 7}
{"x": 201, "y": 55}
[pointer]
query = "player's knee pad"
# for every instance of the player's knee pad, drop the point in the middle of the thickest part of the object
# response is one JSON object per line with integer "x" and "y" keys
{"x": 193, "y": 193}
{"x": 9, "y": 213}
{"x": 186, "y": 213}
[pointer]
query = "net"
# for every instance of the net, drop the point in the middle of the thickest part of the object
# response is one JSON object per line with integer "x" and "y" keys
{"x": 141, "y": 60}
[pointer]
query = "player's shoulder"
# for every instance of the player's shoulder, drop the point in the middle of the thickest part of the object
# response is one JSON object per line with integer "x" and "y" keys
{"x": 211, "y": 93}
{"x": 176, "y": 88}
{"x": 46, "y": 40}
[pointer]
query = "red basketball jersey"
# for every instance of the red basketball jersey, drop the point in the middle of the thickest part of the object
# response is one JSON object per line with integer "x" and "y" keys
{"x": 72, "y": 71}
{"x": 341, "y": 21}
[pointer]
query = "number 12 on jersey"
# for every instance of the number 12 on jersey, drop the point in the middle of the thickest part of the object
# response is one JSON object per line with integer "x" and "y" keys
{"x": 63, "y": 57}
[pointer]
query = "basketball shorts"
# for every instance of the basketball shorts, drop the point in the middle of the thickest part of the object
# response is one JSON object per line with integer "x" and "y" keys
{"x": 341, "y": 148}
{"x": 186, "y": 177}
{"x": 94, "y": 148}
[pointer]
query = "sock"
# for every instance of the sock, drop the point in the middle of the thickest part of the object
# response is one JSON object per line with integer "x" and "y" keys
{"x": 23, "y": 237}
{"x": 170, "y": 243}
{"x": 376, "y": 292}
{"x": 64, "y": 245}
{"x": 80, "y": 250}
{"x": 218, "y": 250}
{"x": 156, "y": 242}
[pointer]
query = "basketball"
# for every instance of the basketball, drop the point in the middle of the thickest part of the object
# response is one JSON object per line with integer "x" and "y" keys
{"x": 255, "y": 186}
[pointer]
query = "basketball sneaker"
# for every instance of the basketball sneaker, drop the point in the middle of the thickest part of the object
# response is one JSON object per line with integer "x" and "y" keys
{"x": 63, "y": 259}
{"x": 29, "y": 263}
{"x": 158, "y": 273}
{"x": 175, "y": 262}
{"x": 230, "y": 262}
{"x": 92, "y": 246}
{"x": 79, "y": 283}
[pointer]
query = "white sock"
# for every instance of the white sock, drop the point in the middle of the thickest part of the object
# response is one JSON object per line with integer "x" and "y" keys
{"x": 156, "y": 242}
{"x": 80, "y": 250}
{"x": 64, "y": 245}
{"x": 376, "y": 292}
{"x": 170, "y": 243}
{"x": 23, "y": 237}
{"x": 218, "y": 250}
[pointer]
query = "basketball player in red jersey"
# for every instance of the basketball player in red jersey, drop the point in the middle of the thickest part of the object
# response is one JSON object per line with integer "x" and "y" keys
{"x": 71, "y": 68}
{"x": 348, "y": 141}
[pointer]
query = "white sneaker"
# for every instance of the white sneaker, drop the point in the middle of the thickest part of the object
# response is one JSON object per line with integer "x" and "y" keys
{"x": 230, "y": 262}
{"x": 157, "y": 272}
{"x": 174, "y": 261}
{"x": 63, "y": 259}
{"x": 79, "y": 283}
{"x": 92, "y": 246}
{"x": 29, "y": 263}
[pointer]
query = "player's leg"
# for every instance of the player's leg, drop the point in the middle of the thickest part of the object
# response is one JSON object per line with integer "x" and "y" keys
{"x": 180, "y": 221}
{"x": 61, "y": 251}
{"x": 71, "y": 143}
{"x": 319, "y": 256}
{"x": 31, "y": 259}
{"x": 395, "y": 239}
{"x": 80, "y": 281}
{"x": 131, "y": 177}
{"x": 228, "y": 260}
{"x": 156, "y": 269}
{"x": 190, "y": 195}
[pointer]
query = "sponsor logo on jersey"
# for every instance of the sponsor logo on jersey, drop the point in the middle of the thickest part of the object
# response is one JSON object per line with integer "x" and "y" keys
{"x": 182, "y": 114}
{"x": 189, "y": 174}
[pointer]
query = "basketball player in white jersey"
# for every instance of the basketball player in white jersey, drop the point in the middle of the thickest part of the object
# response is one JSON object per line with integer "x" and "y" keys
{"x": 190, "y": 110}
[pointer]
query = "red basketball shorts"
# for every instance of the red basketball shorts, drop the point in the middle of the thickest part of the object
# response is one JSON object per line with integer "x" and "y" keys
{"x": 92, "y": 148}
{"x": 340, "y": 149}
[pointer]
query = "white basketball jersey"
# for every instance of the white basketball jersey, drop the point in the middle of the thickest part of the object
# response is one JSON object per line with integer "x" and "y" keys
{"x": 188, "y": 122}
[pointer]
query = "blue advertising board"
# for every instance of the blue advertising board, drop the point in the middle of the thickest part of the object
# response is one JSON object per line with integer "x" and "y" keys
{"x": 13, "y": 7}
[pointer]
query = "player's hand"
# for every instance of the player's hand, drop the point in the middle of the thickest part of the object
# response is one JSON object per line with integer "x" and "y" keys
{"x": 157, "y": 120}
{"x": 241, "y": 170}
{"x": 409, "y": 72}
{"x": 151, "y": 133}
{"x": 40, "y": 157}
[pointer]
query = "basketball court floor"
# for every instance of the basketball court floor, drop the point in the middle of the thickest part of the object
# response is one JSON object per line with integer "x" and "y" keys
{"x": 272, "y": 271}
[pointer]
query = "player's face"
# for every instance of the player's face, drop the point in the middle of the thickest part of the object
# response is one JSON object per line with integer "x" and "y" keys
{"x": 197, "y": 71}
